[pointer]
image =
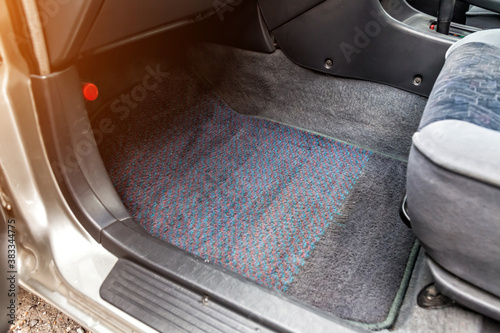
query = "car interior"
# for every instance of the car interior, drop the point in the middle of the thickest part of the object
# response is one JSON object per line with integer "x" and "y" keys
{"x": 294, "y": 164}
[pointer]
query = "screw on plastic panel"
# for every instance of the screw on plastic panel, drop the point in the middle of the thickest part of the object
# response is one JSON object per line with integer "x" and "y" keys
{"x": 417, "y": 80}
{"x": 328, "y": 63}
{"x": 204, "y": 300}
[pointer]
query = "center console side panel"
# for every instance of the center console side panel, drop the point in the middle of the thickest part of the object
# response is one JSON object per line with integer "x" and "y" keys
{"x": 358, "y": 39}
{"x": 278, "y": 12}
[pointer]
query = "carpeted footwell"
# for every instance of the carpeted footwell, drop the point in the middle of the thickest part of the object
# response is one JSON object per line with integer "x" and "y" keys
{"x": 294, "y": 211}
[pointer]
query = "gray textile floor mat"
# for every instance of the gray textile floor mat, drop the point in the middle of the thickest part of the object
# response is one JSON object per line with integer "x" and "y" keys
{"x": 356, "y": 271}
{"x": 366, "y": 114}
{"x": 360, "y": 266}
{"x": 356, "y": 265}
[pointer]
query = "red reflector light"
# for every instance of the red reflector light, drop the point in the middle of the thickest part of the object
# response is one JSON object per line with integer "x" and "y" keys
{"x": 90, "y": 91}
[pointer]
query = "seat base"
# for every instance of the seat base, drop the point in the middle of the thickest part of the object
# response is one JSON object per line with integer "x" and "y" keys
{"x": 464, "y": 293}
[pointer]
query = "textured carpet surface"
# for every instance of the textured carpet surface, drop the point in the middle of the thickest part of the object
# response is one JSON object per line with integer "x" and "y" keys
{"x": 367, "y": 114}
{"x": 292, "y": 210}
{"x": 251, "y": 195}
{"x": 359, "y": 267}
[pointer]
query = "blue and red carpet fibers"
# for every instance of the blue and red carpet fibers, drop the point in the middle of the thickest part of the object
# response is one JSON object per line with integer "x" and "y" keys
{"x": 294, "y": 211}
{"x": 251, "y": 195}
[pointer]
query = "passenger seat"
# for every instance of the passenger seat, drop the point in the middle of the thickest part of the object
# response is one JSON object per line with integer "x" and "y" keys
{"x": 453, "y": 181}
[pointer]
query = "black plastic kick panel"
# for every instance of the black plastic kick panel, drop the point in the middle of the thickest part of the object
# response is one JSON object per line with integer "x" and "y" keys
{"x": 73, "y": 151}
{"x": 78, "y": 26}
{"x": 358, "y": 39}
{"x": 168, "y": 307}
{"x": 119, "y": 19}
{"x": 241, "y": 26}
{"x": 278, "y": 12}
{"x": 66, "y": 25}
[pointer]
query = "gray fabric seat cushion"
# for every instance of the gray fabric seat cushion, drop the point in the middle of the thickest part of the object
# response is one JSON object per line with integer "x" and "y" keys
{"x": 453, "y": 180}
{"x": 462, "y": 148}
{"x": 456, "y": 219}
